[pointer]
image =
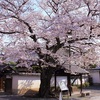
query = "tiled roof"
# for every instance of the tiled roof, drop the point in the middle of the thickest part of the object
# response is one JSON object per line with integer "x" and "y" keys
{"x": 76, "y": 70}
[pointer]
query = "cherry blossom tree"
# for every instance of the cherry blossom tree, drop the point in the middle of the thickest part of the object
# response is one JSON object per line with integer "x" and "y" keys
{"x": 61, "y": 32}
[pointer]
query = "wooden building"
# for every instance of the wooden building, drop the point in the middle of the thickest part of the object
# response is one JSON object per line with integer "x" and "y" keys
{"x": 21, "y": 80}
{"x": 75, "y": 72}
{"x": 94, "y": 75}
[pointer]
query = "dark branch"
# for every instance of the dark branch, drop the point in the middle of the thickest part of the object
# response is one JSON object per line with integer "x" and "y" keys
{"x": 33, "y": 37}
{"x": 11, "y": 3}
{"x": 9, "y": 32}
{"x": 56, "y": 46}
{"x": 27, "y": 24}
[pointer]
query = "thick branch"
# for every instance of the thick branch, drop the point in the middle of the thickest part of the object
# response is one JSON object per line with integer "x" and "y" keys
{"x": 56, "y": 46}
{"x": 27, "y": 24}
{"x": 33, "y": 37}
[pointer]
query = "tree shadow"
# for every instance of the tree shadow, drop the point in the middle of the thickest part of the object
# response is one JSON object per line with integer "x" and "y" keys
{"x": 12, "y": 97}
{"x": 94, "y": 87}
{"x": 30, "y": 93}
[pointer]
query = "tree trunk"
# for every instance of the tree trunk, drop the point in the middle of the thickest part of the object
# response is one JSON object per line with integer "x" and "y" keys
{"x": 46, "y": 76}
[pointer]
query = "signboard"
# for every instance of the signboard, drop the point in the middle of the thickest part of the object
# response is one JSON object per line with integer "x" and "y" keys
{"x": 63, "y": 85}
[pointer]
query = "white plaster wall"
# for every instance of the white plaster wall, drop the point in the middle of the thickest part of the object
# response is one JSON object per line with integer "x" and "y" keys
{"x": 58, "y": 78}
{"x": 95, "y": 75}
{"x": 77, "y": 81}
{"x": 20, "y": 84}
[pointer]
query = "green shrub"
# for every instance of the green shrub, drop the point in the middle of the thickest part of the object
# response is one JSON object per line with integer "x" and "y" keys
{"x": 86, "y": 84}
{"x": 92, "y": 65}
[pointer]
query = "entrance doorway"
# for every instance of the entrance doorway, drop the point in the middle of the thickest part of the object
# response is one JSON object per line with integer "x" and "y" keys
{"x": 8, "y": 85}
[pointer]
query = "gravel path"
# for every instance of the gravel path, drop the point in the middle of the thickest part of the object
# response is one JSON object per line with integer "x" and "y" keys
{"x": 94, "y": 95}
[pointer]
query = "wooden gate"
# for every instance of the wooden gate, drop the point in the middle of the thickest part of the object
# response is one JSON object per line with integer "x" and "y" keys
{"x": 2, "y": 84}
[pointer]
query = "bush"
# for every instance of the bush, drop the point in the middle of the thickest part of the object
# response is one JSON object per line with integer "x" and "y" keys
{"x": 86, "y": 84}
{"x": 92, "y": 65}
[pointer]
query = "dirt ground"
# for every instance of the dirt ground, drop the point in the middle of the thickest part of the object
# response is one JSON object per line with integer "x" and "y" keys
{"x": 16, "y": 97}
{"x": 94, "y": 94}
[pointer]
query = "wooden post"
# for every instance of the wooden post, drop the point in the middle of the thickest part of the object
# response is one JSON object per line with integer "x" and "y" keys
{"x": 81, "y": 83}
{"x": 55, "y": 81}
{"x": 99, "y": 74}
{"x": 69, "y": 75}
{"x": 69, "y": 84}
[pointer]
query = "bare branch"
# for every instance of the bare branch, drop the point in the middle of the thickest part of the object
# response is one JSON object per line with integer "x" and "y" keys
{"x": 9, "y": 32}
